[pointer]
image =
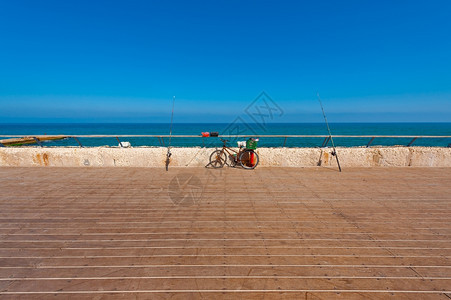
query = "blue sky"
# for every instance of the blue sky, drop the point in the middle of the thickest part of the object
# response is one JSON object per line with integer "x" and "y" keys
{"x": 122, "y": 61}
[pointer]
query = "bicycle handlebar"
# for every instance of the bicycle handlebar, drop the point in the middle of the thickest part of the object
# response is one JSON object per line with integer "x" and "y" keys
{"x": 224, "y": 141}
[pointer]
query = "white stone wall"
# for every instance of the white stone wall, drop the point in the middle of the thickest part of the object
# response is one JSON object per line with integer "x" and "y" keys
{"x": 199, "y": 157}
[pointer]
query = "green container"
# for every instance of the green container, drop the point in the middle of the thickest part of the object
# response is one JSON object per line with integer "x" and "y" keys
{"x": 251, "y": 144}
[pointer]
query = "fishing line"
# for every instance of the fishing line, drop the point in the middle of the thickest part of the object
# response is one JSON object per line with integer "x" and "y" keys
{"x": 168, "y": 154}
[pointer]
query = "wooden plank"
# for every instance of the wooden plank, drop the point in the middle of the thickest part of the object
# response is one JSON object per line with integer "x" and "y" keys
{"x": 272, "y": 232}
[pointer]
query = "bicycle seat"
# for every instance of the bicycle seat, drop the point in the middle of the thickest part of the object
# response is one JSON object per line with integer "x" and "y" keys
{"x": 224, "y": 141}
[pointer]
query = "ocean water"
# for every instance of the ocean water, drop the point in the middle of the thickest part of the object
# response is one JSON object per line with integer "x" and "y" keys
{"x": 416, "y": 129}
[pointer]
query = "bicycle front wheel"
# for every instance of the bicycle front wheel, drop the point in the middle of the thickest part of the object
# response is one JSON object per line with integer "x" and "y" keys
{"x": 218, "y": 159}
{"x": 249, "y": 159}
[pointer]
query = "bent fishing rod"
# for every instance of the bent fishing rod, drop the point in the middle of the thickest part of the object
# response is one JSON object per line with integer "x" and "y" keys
{"x": 334, "y": 152}
{"x": 168, "y": 154}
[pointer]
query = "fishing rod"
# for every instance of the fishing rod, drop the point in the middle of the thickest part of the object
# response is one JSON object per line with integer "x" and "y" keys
{"x": 334, "y": 152}
{"x": 168, "y": 154}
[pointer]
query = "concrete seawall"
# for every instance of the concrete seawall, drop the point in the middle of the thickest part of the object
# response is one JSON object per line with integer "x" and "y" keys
{"x": 199, "y": 157}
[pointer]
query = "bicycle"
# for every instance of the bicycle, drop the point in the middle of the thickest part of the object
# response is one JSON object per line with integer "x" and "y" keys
{"x": 247, "y": 158}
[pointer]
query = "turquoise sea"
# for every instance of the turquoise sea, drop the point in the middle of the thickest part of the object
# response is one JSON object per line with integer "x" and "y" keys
{"x": 415, "y": 129}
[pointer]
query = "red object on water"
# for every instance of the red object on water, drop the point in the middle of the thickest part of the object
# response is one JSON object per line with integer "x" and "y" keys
{"x": 205, "y": 134}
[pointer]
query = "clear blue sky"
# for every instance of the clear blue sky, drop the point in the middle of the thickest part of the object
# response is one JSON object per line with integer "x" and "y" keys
{"x": 122, "y": 61}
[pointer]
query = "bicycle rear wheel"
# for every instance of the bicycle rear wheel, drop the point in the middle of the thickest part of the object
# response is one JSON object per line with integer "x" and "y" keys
{"x": 218, "y": 159}
{"x": 249, "y": 159}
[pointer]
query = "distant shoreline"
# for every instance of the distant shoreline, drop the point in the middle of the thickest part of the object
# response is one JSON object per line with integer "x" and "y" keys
{"x": 206, "y": 123}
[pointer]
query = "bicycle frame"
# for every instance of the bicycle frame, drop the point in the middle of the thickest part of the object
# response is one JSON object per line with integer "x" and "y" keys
{"x": 230, "y": 152}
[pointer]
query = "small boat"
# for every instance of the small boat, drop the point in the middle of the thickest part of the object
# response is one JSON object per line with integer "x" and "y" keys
{"x": 30, "y": 140}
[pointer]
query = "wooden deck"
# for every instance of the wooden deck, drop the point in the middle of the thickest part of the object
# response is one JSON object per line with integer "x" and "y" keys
{"x": 372, "y": 233}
